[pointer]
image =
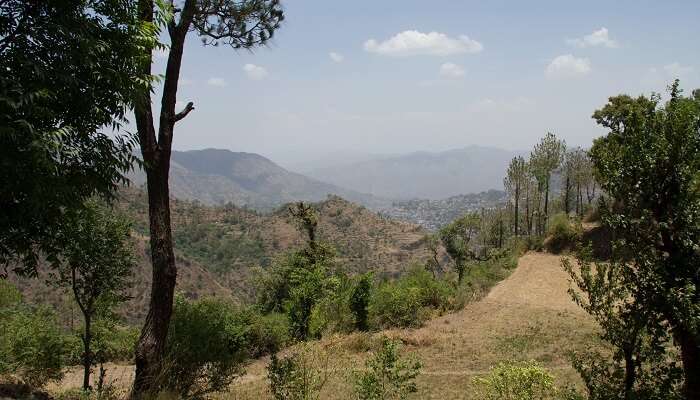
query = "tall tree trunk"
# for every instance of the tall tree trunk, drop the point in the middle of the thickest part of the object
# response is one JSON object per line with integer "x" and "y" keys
{"x": 87, "y": 357}
{"x": 630, "y": 373}
{"x": 527, "y": 212}
{"x": 690, "y": 355}
{"x": 156, "y": 156}
{"x": 517, "y": 198}
{"x": 567, "y": 191}
{"x": 151, "y": 345}
{"x": 546, "y": 205}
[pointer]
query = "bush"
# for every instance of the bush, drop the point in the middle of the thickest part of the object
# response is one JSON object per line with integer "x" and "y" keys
{"x": 408, "y": 301}
{"x": 562, "y": 234}
{"x": 517, "y": 381}
{"x": 209, "y": 341}
{"x": 298, "y": 376}
{"x": 333, "y": 312}
{"x": 32, "y": 345}
{"x": 388, "y": 375}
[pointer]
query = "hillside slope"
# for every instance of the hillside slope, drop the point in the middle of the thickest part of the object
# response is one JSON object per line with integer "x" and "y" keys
{"x": 217, "y": 177}
{"x": 528, "y": 316}
{"x": 229, "y": 242}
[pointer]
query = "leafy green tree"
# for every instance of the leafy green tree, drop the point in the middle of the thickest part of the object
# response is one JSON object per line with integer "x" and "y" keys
{"x": 359, "y": 301}
{"x": 514, "y": 183}
{"x": 239, "y": 23}
{"x": 97, "y": 262}
{"x": 640, "y": 367}
{"x": 69, "y": 73}
{"x": 208, "y": 343}
{"x": 432, "y": 243}
{"x": 545, "y": 158}
{"x": 32, "y": 345}
{"x": 457, "y": 238}
{"x": 388, "y": 375}
{"x": 648, "y": 164}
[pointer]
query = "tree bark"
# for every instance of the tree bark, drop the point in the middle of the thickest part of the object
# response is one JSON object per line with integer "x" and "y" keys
{"x": 546, "y": 206}
{"x": 87, "y": 357}
{"x": 690, "y": 355}
{"x": 567, "y": 191}
{"x": 517, "y": 198}
{"x": 156, "y": 156}
{"x": 630, "y": 373}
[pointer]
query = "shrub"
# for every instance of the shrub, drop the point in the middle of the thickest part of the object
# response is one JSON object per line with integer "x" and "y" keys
{"x": 298, "y": 376}
{"x": 332, "y": 313}
{"x": 517, "y": 381}
{"x": 209, "y": 341}
{"x": 388, "y": 375}
{"x": 407, "y": 301}
{"x": 359, "y": 301}
{"x": 32, "y": 345}
{"x": 562, "y": 233}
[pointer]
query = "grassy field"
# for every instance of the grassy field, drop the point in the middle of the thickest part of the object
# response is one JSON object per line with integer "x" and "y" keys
{"x": 528, "y": 316}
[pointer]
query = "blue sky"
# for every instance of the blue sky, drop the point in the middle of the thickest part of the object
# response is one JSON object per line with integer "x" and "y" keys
{"x": 438, "y": 75}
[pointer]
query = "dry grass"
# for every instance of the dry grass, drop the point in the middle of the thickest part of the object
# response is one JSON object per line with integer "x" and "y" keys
{"x": 528, "y": 316}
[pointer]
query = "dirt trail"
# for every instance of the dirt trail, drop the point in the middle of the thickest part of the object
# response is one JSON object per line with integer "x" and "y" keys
{"x": 527, "y": 316}
{"x": 539, "y": 281}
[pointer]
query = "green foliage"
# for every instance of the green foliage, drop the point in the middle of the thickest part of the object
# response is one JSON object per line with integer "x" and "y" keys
{"x": 640, "y": 367}
{"x": 332, "y": 313}
{"x": 359, "y": 301}
{"x": 563, "y": 233}
{"x": 96, "y": 263}
{"x": 517, "y": 381}
{"x": 388, "y": 375}
{"x": 60, "y": 95}
{"x": 648, "y": 164}
{"x": 457, "y": 238}
{"x": 208, "y": 343}
{"x": 32, "y": 344}
{"x": 298, "y": 376}
{"x": 407, "y": 301}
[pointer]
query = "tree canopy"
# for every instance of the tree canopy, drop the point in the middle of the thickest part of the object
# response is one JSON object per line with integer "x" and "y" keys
{"x": 70, "y": 72}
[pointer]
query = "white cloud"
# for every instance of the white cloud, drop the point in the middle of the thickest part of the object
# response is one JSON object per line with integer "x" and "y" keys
{"x": 676, "y": 70}
{"x": 216, "y": 82}
{"x": 601, "y": 37}
{"x": 413, "y": 43}
{"x": 452, "y": 71}
{"x": 568, "y": 66}
{"x": 336, "y": 57}
{"x": 255, "y": 72}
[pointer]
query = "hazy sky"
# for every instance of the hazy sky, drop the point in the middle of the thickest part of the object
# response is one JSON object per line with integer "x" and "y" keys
{"x": 381, "y": 76}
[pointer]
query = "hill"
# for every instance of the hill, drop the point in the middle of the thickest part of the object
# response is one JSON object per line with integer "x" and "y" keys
{"x": 230, "y": 241}
{"x": 528, "y": 316}
{"x": 423, "y": 175}
{"x": 219, "y": 248}
{"x": 217, "y": 177}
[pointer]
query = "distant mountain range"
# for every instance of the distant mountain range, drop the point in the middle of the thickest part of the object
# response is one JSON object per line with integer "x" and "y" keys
{"x": 215, "y": 177}
{"x": 423, "y": 175}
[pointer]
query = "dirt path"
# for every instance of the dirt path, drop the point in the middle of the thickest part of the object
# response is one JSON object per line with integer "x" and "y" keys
{"x": 528, "y": 316}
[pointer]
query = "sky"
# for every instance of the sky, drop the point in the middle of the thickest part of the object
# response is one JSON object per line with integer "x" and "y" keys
{"x": 348, "y": 78}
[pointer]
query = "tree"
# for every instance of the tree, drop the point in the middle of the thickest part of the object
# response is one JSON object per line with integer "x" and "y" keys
{"x": 457, "y": 238}
{"x": 648, "y": 164}
{"x": 97, "y": 264}
{"x": 432, "y": 242}
{"x": 546, "y": 157}
{"x": 388, "y": 375}
{"x": 640, "y": 367}
{"x": 69, "y": 74}
{"x": 514, "y": 183}
{"x": 359, "y": 301}
{"x": 240, "y": 24}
